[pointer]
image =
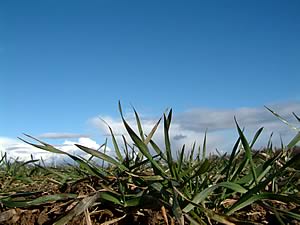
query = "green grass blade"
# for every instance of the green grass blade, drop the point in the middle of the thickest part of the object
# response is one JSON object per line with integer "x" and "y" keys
{"x": 180, "y": 159}
{"x": 148, "y": 177}
{"x": 3, "y": 158}
{"x": 256, "y": 137}
{"x": 206, "y": 192}
{"x": 248, "y": 150}
{"x": 198, "y": 157}
{"x": 93, "y": 170}
{"x": 204, "y": 145}
{"x": 104, "y": 151}
{"x": 203, "y": 168}
{"x": 176, "y": 209}
{"x": 143, "y": 147}
{"x": 186, "y": 172}
{"x": 36, "y": 202}
{"x": 171, "y": 165}
{"x": 282, "y": 119}
{"x": 297, "y": 117}
{"x": 229, "y": 168}
{"x": 140, "y": 128}
{"x": 278, "y": 217}
{"x": 157, "y": 150}
{"x": 150, "y": 135}
{"x": 244, "y": 198}
{"x": 138, "y": 121}
{"x": 263, "y": 196}
{"x": 44, "y": 145}
{"x": 116, "y": 147}
{"x": 294, "y": 141}
{"x": 192, "y": 152}
{"x": 103, "y": 156}
{"x": 110, "y": 197}
{"x": 220, "y": 218}
{"x": 270, "y": 145}
{"x": 133, "y": 202}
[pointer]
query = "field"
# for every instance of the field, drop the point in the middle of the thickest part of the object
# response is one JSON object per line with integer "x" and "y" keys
{"x": 147, "y": 184}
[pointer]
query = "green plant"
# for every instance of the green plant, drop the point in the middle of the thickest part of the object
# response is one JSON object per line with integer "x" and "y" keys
{"x": 192, "y": 187}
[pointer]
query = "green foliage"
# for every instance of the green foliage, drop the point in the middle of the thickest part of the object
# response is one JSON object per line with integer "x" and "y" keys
{"x": 193, "y": 188}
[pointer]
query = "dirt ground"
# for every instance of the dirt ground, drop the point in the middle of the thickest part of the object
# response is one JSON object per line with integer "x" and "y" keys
{"x": 105, "y": 214}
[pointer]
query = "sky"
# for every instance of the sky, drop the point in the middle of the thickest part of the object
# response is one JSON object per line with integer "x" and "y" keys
{"x": 64, "y": 64}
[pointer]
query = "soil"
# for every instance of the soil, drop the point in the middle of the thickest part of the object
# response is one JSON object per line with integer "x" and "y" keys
{"x": 106, "y": 214}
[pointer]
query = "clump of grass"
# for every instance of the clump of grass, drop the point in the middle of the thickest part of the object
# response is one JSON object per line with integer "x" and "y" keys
{"x": 183, "y": 190}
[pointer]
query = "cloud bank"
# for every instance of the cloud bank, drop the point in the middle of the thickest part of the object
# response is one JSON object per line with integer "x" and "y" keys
{"x": 199, "y": 119}
{"x": 190, "y": 126}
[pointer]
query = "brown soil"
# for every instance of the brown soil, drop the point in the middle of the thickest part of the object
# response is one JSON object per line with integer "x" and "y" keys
{"x": 47, "y": 214}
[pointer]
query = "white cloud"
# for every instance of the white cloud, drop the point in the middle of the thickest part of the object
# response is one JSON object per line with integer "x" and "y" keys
{"x": 53, "y": 135}
{"x": 178, "y": 135}
{"x": 251, "y": 118}
{"x": 199, "y": 119}
{"x": 190, "y": 126}
{"x": 17, "y": 149}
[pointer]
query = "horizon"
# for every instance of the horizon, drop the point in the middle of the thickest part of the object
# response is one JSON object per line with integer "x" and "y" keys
{"x": 64, "y": 65}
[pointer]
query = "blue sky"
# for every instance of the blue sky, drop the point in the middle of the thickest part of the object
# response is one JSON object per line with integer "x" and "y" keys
{"x": 63, "y": 63}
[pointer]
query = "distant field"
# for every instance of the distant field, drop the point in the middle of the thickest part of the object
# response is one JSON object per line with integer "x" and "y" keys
{"x": 242, "y": 187}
